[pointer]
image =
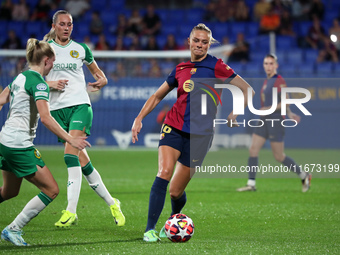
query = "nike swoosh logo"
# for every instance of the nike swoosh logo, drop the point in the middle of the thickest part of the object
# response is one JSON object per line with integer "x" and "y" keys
{"x": 65, "y": 221}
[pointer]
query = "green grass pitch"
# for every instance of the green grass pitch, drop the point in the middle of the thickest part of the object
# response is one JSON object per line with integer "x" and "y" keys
{"x": 276, "y": 219}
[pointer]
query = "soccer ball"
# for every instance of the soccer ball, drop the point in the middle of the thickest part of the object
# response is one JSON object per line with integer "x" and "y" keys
{"x": 179, "y": 228}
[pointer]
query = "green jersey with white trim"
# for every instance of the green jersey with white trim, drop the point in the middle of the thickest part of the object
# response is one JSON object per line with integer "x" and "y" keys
{"x": 22, "y": 120}
{"x": 69, "y": 66}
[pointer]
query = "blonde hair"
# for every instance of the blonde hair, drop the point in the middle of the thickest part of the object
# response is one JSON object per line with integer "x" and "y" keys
{"x": 203, "y": 27}
{"x": 36, "y": 50}
{"x": 51, "y": 34}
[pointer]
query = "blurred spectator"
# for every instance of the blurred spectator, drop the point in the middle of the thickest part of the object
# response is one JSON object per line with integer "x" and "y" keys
{"x": 77, "y": 8}
{"x": 286, "y": 27}
{"x": 300, "y": 9}
{"x": 102, "y": 44}
{"x": 241, "y": 51}
{"x": 209, "y": 12}
{"x": 328, "y": 51}
{"x": 261, "y": 8}
{"x": 270, "y": 22}
{"x": 119, "y": 44}
{"x": 224, "y": 11}
{"x": 41, "y": 11}
{"x": 13, "y": 41}
{"x": 154, "y": 71}
{"x": 119, "y": 72}
{"x": 277, "y": 7}
{"x": 170, "y": 43}
{"x": 334, "y": 32}
{"x": 151, "y": 44}
{"x": 88, "y": 42}
{"x": 134, "y": 26}
{"x": 122, "y": 25}
{"x": 241, "y": 11}
{"x": 135, "y": 45}
{"x": 316, "y": 9}
{"x": 315, "y": 34}
{"x": 151, "y": 22}
{"x": 138, "y": 71}
{"x": 6, "y": 10}
{"x": 96, "y": 24}
{"x": 20, "y": 65}
{"x": 20, "y": 11}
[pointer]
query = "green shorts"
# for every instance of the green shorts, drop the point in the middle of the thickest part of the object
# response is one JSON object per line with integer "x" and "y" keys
{"x": 75, "y": 117}
{"x": 22, "y": 162}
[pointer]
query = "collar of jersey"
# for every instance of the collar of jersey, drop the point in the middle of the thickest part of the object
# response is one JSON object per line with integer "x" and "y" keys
{"x": 62, "y": 46}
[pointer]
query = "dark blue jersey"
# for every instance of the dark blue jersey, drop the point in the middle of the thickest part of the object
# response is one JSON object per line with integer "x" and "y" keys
{"x": 278, "y": 82}
{"x": 193, "y": 79}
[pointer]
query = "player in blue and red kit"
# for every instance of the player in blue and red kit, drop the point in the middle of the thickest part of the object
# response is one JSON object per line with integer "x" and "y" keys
{"x": 272, "y": 130}
{"x": 187, "y": 131}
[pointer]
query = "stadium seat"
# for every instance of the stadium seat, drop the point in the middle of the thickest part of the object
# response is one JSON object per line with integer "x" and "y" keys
{"x": 194, "y": 16}
{"x": 98, "y": 5}
{"x": 304, "y": 27}
{"x": 3, "y": 28}
{"x": 288, "y": 70}
{"x": 310, "y": 55}
{"x": 238, "y": 27}
{"x": 220, "y": 30}
{"x": 16, "y": 26}
{"x": 325, "y": 69}
{"x": 252, "y": 29}
{"x": 34, "y": 27}
{"x": 306, "y": 69}
{"x": 294, "y": 56}
{"x": 284, "y": 42}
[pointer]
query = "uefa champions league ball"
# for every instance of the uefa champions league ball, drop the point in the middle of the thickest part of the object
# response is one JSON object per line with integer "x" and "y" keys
{"x": 179, "y": 228}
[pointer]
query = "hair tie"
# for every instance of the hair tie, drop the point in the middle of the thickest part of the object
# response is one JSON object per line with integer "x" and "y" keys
{"x": 37, "y": 42}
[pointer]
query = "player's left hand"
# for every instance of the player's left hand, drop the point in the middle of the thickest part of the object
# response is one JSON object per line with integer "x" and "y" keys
{"x": 232, "y": 121}
{"x": 98, "y": 84}
{"x": 136, "y": 127}
{"x": 294, "y": 116}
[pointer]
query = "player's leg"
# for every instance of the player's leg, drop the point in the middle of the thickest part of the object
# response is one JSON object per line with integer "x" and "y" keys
{"x": 167, "y": 157}
{"x": 257, "y": 143}
{"x": 96, "y": 183}
{"x": 10, "y": 187}
{"x": 280, "y": 156}
{"x": 44, "y": 181}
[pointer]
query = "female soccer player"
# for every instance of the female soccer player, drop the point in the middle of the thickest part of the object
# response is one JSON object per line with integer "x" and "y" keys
{"x": 187, "y": 134}
{"x": 71, "y": 107}
{"x": 19, "y": 159}
{"x": 274, "y": 132}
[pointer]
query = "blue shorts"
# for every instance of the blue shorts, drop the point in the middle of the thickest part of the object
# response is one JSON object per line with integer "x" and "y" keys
{"x": 193, "y": 148}
{"x": 272, "y": 130}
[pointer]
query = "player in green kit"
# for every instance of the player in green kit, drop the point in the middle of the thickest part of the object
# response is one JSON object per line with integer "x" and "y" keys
{"x": 28, "y": 95}
{"x": 71, "y": 107}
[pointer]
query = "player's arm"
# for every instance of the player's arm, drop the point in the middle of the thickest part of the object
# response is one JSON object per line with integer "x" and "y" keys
{"x": 46, "y": 118}
{"x": 4, "y": 97}
{"x": 239, "y": 82}
{"x": 58, "y": 85}
{"x": 99, "y": 75}
{"x": 149, "y": 105}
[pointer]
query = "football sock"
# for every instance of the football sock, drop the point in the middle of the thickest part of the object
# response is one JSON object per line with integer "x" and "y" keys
{"x": 31, "y": 210}
{"x": 96, "y": 183}
{"x": 156, "y": 202}
{"x": 289, "y": 162}
{"x": 253, "y": 164}
{"x": 74, "y": 181}
{"x": 177, "y": 205}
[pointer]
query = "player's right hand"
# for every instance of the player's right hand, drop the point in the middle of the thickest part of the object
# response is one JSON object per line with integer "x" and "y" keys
{"x": 79, "y": 142}
{"x": 136, "y": 127}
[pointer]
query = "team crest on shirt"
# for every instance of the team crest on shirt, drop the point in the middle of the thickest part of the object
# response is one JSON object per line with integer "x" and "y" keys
{"x": 37, "y": 154}
{"x": 227, "y": 67}
{"x": 188, "y": 85}
{"x": 74, "y": 53}
{"x": 193, "y": 71}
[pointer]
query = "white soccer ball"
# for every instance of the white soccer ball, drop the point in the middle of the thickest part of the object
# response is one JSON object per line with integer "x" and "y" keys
{"x": 179, "y": 228}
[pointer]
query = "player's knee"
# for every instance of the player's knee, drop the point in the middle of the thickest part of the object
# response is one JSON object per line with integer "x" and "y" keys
{"x": 253, "y": 151}
{"x": 9, "y": 195}
{"x": 175, "y": 193}
{"x": 53, "y": 192}
{"x": 279, "y": 157}
{"x": 165, "y": 173}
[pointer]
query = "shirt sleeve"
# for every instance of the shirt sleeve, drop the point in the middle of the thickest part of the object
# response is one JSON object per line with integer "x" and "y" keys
{"x": 280, "y": 83}
{"x": 38, "y": 89}
{"x": 171, "y": 80}
{"x": 88, "y": 54}
{"x": 224, "y": 72}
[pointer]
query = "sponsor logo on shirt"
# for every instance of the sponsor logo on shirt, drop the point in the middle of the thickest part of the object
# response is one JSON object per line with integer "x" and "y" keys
{"x": 74, "y": 53}
{"x": 63, "y": 66}
{"x": 41, "y": 93}
{"x": 188, "y": 86}
{"x": 41, "y": 86}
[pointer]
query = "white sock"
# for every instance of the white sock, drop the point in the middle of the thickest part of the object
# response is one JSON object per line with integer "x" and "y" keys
{"x": 73, "y": 188}
{"x": 251, "y": 182}
{"x": 302, "y": 175}
{"x": 96, "y": 183}
{"x": 32, "y": 209}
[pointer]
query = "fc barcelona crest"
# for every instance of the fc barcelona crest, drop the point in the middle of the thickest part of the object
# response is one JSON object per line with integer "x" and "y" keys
{"x": 193, "y": 71}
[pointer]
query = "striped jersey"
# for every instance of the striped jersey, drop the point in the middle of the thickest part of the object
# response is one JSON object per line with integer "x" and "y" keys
{"x": 194, "y": 79}
{"x": 20, "y": 127}
{"x": 69, "y": 65}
